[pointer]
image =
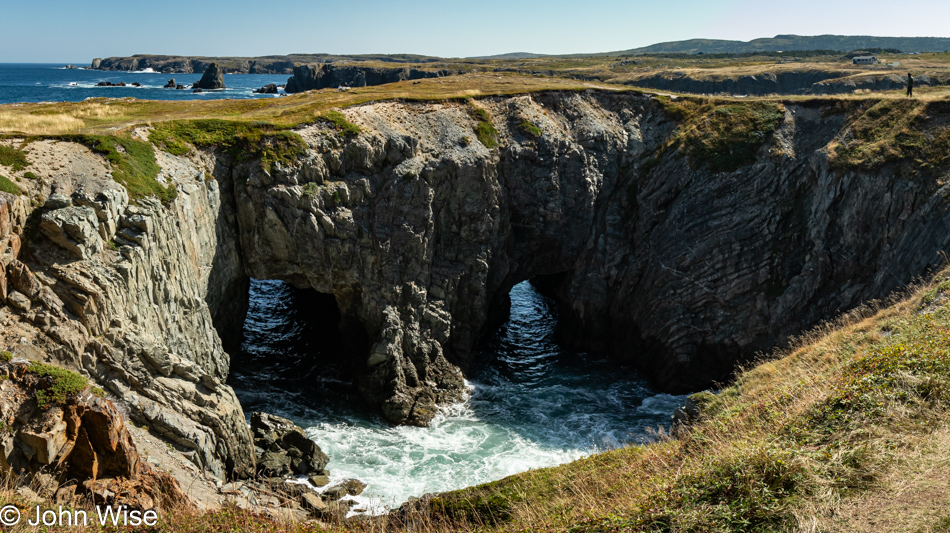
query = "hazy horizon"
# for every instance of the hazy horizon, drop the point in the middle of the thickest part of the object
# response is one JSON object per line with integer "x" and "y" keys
{"x": 71, "y": 32}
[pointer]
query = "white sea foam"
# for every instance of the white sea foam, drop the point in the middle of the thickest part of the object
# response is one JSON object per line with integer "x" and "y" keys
{"x": 535, "y": 406}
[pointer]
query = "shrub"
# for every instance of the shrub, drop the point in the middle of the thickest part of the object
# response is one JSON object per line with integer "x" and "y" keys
{"x": 6, "y": 357}
{"x": 30, "y": 176}
{"x": 65, "y": 384}
{"x": 310, "y": 189}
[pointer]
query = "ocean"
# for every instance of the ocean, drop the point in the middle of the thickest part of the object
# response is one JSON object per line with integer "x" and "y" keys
{"x": 43, "y": 82}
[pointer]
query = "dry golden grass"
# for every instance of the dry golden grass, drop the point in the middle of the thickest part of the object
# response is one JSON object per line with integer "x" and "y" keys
{"x": 107, "y": 115}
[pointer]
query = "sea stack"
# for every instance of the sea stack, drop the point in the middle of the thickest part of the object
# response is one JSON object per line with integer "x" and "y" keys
{"x": 213, "y": 78}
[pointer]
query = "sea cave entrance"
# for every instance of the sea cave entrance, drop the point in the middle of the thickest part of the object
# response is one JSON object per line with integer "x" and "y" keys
{"x": 297, "y": 354}
{"x": 532, "y": 403}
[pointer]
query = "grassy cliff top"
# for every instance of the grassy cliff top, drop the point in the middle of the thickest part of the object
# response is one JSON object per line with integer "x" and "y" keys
{"x": 484, "y": 77}
{"x": 104, "y": 115}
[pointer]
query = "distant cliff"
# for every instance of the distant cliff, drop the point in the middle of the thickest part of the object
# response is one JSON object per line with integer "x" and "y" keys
{"x": 238, "y": 65}
{"x": 310, "y": 77}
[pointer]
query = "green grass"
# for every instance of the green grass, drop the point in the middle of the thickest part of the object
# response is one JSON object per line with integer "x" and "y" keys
{"x": 342, "y": 125}
{"x": 270, "y": 144}
{"x": 8, "y": 186}
{"x": 6, "y": 357}
{"x": 133, "y": 164}
{"x": 310, "y": 189}
{"x": 529, "y": 129}
{"x": 485, "y": 129}
{"x": 64, "y": 384}
{"x": 30, "y": 176}
{"x": 12, "y": 157}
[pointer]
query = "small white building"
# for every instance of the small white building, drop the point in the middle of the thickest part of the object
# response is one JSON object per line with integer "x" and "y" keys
{"x": 864, "y": 60}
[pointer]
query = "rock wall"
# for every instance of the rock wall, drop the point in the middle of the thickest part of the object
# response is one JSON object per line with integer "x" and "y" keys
{"x": 118, "y": 291}
{"x": 419, "y": 231}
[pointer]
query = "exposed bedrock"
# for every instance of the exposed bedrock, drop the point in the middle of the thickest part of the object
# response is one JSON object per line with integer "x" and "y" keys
{"x": 419, "y": 232}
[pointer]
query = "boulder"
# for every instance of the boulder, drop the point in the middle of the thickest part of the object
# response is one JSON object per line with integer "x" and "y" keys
{"x": 285, "y": 447}
{"x": 213, "y": 78}
{"x": 313, "y": 502}
{"x": 270, "y": 88}
{"x": 96, "y": 63}
{"x": 354, "y": 487}
{"x": 171, "y": 84}
{"x": 319, "y": 480}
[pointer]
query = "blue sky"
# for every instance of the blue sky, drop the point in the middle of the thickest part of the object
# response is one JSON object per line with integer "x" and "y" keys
{"x": 72, "y": 31}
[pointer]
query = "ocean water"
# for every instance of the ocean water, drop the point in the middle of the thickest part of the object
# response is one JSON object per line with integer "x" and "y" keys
{"x": 532, "y": 405}
{"x": 23, "y": 82}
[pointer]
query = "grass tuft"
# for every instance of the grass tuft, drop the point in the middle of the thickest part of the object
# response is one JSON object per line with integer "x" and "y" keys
{"x": 342, "y": 125}
{"x": 889, "y": 131}
{"x": 529, "y": 129}
{"x": 8, "y": 186}
{"x": 64, "y": 384}
{"x": 485, "y": 128}
{"x": 13, "y": 157}
{"x": 133, "y": 164}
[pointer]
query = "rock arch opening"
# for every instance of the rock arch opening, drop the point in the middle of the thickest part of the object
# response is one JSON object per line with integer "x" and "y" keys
{"x": 297, "y": 351}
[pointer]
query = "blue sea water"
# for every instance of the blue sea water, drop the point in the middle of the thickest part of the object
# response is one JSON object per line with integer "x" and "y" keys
{"x": 43, "y": 82}
{"x": 532, "y": 404}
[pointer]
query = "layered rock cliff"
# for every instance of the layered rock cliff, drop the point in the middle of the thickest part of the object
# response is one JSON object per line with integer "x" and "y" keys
{"x": 419, "y": 231}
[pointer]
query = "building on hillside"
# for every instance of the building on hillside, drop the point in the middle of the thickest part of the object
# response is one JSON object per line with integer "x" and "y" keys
{"x": 864, "y": 60}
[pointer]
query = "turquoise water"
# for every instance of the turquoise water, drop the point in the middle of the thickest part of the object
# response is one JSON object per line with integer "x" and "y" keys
{"x": 533, "y": 404}
{"x": 32, "y": 82}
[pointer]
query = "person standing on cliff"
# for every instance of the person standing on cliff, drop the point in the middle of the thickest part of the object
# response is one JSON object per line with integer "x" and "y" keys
{"x": 910, "y": 85}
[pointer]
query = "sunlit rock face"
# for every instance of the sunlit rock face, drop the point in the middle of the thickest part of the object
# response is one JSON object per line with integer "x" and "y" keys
{"x": 419, "y": 231}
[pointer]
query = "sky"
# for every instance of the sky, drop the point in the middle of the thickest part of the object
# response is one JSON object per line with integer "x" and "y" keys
{"x": 71, "y": 31}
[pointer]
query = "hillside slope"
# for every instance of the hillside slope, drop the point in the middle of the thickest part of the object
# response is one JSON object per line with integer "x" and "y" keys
{"x": 841, "y": 43}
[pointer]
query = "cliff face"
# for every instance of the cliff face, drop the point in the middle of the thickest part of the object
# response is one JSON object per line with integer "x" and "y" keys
{"x": 419, "y": 231}
{"x": 311, "y": 77}
{"x": 118, "y": 292}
